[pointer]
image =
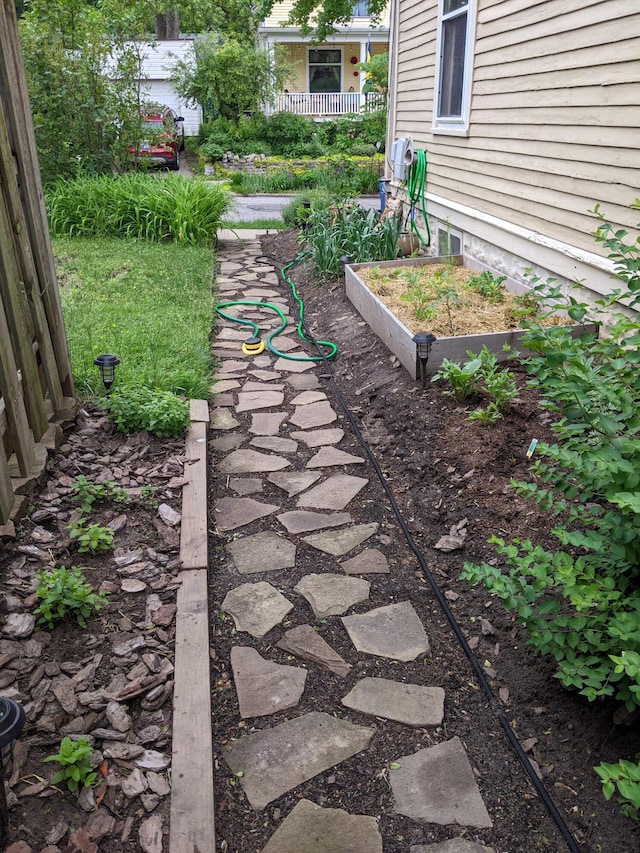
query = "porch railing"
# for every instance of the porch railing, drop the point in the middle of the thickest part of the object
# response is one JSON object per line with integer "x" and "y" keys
{"x": 327, "y": 103}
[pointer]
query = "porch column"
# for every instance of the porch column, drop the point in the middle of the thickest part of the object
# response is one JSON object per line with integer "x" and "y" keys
{"x": 362, "y": 78}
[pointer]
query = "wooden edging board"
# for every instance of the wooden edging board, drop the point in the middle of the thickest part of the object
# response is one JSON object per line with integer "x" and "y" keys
{"x": 192, "y": 828}
{"x": 399, "y": 340}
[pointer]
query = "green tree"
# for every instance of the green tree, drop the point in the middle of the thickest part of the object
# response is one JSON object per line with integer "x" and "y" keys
{"x": 227, "y": 76}
{"x": 320, "y": 19}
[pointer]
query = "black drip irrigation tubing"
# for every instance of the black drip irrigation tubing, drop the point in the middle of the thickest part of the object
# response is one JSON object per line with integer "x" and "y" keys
{"x": 542, "y": 792}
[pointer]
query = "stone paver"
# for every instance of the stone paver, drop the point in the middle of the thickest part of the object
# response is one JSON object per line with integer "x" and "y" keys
{"x": 249, "y": 401}
{"x": 304, "y": 398}
{"x": 264, "y": 375}
{"x": 340, "y": 542}
{"x": 308, "y": 828}
{"x": 249, "y": 385}
{"x": 328, "y": 456}
{"x": 369, "y": 561}
{"x": 303, "y": 381}
{"x": 300, "y": 521}
{"x": 262, "y": 552}
{"x": 274, "y": 443}
{"x": 222, "y": 419}
{"x": 394, "y": 631}
{"x": 318, "y": 437}
{"x": 303, "y": 642}
{"x": 251, "y": 462}
{"x": 437, "y": 785}
{"x": 224, "y": 385}
{"x": 334, "y": 493}
{"x": 231, "y": 513}
{"x": 332, "y": 595}
{"x": 276, "y": 760}
{"x": 267, "y": 423}
{"x": 454, "y": 845}
{"x": 284, "y": 364}
{"x": 245, "y": 485}
{"x": 411, "y": 704}
{"x": 256, "y": 607}
{"x": 264, "y": 687}
{"x": 227, "y": 442}
{"x": 313, "y": 415}
{"x": 294, "y": 482}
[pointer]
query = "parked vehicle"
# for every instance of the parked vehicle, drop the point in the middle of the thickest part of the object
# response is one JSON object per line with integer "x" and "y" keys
{"x": 161, "y": 139}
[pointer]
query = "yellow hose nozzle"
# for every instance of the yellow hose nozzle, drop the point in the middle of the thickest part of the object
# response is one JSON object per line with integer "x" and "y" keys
{"x": 253, "y": 346}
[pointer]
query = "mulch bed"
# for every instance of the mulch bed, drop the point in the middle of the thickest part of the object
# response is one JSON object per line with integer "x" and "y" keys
{"x": 442, "y": 469}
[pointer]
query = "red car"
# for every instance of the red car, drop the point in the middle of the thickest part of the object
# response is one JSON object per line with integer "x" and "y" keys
{"x": 162, "y": 139}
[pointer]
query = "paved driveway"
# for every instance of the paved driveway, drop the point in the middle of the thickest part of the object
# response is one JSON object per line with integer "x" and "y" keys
{"x": 251, "y": 208}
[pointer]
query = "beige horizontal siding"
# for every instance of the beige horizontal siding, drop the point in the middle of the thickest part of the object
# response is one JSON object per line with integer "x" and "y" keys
{"x": 555, "y": 114}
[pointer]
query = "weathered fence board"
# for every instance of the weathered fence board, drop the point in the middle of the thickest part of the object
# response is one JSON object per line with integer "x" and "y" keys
{"x": 36, "y": 387}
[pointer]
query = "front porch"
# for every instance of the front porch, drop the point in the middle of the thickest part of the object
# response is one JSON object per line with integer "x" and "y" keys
{"x": 327, "y": 104}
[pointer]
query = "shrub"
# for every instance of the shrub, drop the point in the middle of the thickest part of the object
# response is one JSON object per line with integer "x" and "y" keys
{"x": 294, "y": 215}
{"x": 64, "y": 592}
{"x": 287, "y": 132}
{"x": 160, "y": 413}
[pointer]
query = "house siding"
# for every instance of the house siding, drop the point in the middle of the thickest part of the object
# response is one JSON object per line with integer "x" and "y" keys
{"x": 554, "y": 122}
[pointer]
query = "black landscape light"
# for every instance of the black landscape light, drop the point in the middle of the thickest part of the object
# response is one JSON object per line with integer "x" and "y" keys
{"x": 423, "y": 342}
{"x": 107, "y": 365}
{"x": 11, "y": 724}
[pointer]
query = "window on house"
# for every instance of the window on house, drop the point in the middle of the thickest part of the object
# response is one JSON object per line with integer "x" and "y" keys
{"x": 360, "y": 9}
{"x": 325, "y": 70}
{"x": 455, "y": 62}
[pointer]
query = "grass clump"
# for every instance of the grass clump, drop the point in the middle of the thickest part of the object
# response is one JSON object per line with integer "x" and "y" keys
{"x": 139, "y": 205}
{"x": 160, "y": 413}
{"x": 151, "y": 304}
{"x": 64, "y": 592}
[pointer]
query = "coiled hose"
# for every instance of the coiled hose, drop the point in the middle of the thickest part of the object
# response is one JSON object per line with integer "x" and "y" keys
{"x": 416, "y": 184}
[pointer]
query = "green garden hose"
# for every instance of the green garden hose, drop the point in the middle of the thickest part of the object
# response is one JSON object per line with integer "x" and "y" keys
{"x": 416, "y": 183}
{"x": 252, "y": 346}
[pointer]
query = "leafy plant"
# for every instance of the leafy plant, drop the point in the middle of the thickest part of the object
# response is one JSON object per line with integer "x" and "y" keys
{"x": 486, "y": 285}
{"x": 86, "y": 493}
{"x": 462, "y": 377}
{"x": 498, "y": 384}
{"x": 91, "y": 537}
{"x": 75, "y": 767}
{"x": 625, "y": 778}
{"x": 159, "y": 412}
{"x": 64, "y": 592}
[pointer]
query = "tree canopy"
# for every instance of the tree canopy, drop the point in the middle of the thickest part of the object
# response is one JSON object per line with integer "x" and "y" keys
{"x": 320, "y": 19}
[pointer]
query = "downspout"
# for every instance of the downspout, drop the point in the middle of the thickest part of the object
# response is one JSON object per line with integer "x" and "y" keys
{"x": 392, "y": 82}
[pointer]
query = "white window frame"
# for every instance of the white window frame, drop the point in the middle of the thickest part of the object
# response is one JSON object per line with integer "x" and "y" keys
{"x": 335, "y": 64}
{"x": 455, "y": 125}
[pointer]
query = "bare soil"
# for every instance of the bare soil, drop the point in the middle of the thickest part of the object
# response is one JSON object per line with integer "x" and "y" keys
{"x": 442, "y": 470}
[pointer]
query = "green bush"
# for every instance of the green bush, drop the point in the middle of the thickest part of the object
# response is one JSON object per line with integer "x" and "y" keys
{"x": 294, "y": 214}
{"x": 64, "y": 592}
{"x": 287, "y": 133}
{"x": 160, "y": 413}
{"x": 151, "y": 207}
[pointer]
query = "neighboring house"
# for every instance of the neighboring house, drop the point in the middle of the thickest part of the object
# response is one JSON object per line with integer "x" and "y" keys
{"x": 157, "y": 60}
{"x": 324, "y": 79}
{"x": 529, "y": 114}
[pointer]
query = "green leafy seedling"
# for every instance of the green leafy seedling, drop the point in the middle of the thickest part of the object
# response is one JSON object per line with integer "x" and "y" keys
{"x": 75, "y": 768}
{"x": 64, "y": 592}
{"x": 91, "y": 537}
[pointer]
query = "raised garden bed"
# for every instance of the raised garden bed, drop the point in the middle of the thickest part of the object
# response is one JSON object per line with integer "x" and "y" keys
{"x": 398, "y": 338}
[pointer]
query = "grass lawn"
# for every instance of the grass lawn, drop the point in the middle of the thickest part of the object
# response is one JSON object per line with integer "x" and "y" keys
{"x": 151, "y": 304}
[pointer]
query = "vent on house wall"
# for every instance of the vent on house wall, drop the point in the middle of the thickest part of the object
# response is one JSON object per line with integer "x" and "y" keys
{"x": 449, "y": 242}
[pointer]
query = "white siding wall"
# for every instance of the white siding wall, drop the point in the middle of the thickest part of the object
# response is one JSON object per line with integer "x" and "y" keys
{"x": 555, "y": 113}
{"x": 157, "y": 61}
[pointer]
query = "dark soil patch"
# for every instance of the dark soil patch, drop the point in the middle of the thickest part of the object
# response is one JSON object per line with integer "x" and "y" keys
{"x": 442, "y": 469}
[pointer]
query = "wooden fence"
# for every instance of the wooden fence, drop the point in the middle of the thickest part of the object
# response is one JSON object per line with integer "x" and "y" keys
{"x": 36, "y": 388}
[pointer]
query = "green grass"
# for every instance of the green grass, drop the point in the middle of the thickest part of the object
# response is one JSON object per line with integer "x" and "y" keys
{"x": 255, "y": 224}
{"x": 150, "y": 304}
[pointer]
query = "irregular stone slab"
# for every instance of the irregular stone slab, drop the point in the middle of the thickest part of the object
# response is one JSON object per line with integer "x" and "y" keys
{"x": 224, "y": 385}
{"x": 319, "y": 437}
{"x": 437, "y": 785}
{"x": 394, "y": 631}
{"x": 411, "y": 704}
{"x": 232, "y": 365}
{"x": 264, "y": 687}
{"x": 299, "y": 521}
{"x": 260, "y": 292}
{"x": 260, "y": 386}
{"x": 329, "y": 595}
{"x": 264, "y": 375}
{"x": 262, "y": 552}
{"x": 236, "y": 512}
{"x": 293, "y": 482}
{"x": 453, "y": 845}
{"x": 303, "y": 642}
{"x": 339, "y": 542}
{"x": 222, "y": 419}
{"x": 334, "y": 493}
{"x": 227, "y": 442}
{"x": 150, "y": 835}
{"x": 231, "y": 334}
{"x": 369, "y": 561}
{"x": 276, "y": 760}
{"x": 275, "y": 443}
{"x": 327, "y": 456}
{"x": 250, "y": 400}
{"x": 262, "y": 361}
{"x": 283, "y": 364}
{"x": 19, "y": 625}
{"x": 251, "y": 462}
{"x": 225, "y": 400}
{"x": 311, "y": 829}
{"x": 256, "y": 607}
{"x": 306, "y": 397}
{"x": 303, "y": 381}
{"x": 267, "y": 424}
{"x": 284, "y": 344}
{"x": 245, "y": 485}
{"x": 313, "y": 415}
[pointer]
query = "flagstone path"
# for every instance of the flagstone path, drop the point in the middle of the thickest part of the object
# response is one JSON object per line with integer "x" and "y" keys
{"x": 275, "y": 431}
